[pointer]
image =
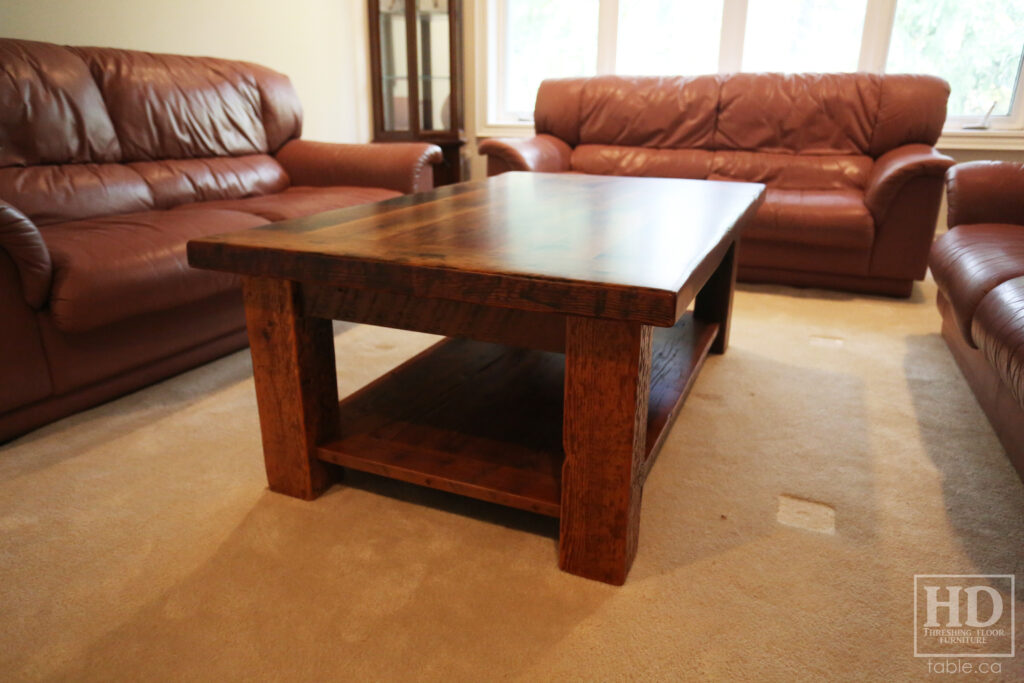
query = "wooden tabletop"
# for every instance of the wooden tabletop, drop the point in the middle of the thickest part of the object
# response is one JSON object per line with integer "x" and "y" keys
{"x": 603, "y": 246}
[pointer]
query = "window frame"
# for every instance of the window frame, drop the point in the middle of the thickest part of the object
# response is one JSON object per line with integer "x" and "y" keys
{"x": 1004, "y": 132}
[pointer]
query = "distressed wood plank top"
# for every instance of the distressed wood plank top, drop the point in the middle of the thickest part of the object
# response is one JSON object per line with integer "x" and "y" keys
{"x": 603, "y": 246}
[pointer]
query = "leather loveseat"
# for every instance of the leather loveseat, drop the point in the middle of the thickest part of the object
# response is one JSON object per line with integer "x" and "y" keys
{"x": 110, "y": 161}
{"x": 979, "y": 268}
{"x": 853, "y": 180}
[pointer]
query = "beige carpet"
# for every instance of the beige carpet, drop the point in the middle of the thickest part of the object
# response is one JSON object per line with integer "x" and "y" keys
{"x": 138, "y": 541}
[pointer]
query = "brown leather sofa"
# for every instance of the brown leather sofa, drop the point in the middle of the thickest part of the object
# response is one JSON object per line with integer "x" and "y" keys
{"x": 110, "y": 161}
{"x": 979, "y": 268}
{"x": 853, "y": 180}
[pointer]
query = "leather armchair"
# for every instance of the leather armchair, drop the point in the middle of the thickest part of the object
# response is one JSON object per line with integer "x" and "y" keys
{"x": 979, "y": 268}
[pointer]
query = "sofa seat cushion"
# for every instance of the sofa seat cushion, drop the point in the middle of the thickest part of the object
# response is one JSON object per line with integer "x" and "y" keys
{"x": 832, "y": 218}
{"x": 998, "y": 328}
{"x": 642, "y": 161}
{"x": 296, "y": 202}
{"x": 112, "y": 268}
{"x": 794, "y": 171}
{"x": 969, "y": 261}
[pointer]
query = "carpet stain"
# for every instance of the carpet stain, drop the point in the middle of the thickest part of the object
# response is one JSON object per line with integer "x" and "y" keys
{"x": 826, "y": 341}
{"x": 806, "y": 514}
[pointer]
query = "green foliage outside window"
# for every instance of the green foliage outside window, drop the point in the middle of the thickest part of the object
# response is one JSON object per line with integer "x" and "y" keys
{"x": 974, "y": 45}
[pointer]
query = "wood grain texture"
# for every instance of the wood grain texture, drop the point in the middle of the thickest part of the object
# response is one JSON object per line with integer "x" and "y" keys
{"x": 678, "y": 355}
{"x": 714, "y": 302}
{"x": 602, "y": 246}
{"x": 481, "y": 420}
{"x": 485, "y": 420}
{"x": 607, "y": 379}
{"x": 526, "y": 329}
{"x": 296, "y": 389}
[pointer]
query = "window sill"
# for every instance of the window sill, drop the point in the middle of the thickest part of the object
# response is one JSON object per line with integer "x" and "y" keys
{"x": 505, "y": 130}
{"x": 982, "y": 140}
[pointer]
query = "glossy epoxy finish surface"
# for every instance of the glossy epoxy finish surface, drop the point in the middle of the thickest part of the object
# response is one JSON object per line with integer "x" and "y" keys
{"x": 652, "y": 236}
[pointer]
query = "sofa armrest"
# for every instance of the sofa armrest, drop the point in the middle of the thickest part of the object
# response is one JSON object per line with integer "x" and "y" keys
{"x": 21, "y": 239}
{"x": 400, "y": 166}
{"x": 539, "y": 153}
{"x": 985, "y": 192}
{"x": 894, "y": 169}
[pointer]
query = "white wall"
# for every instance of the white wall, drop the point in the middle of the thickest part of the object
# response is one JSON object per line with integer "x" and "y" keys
{"x": 475, "y": 71}
{"x": 320, "y": 44}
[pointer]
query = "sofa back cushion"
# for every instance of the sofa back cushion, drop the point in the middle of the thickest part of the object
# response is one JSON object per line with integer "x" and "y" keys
{"x": 642, "y": 161}
{"x": 88, "y": 132}
{"x": 794, "y": 172}
{"x": 836, "y": 115}
{"x": 176, "y": 107}
{"x": 797, "y": 113}
{"x": 51, "y": 111}
{"x": 665, "y": 113}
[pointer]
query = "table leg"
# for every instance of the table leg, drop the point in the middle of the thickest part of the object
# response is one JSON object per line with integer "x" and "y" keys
{"x": 607, "y": 383}
{"x": 296, "y": 389}
{"x": 714, "y": 301}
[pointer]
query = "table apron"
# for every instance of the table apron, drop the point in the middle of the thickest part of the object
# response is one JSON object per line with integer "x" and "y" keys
{"x": 527, "y": 329}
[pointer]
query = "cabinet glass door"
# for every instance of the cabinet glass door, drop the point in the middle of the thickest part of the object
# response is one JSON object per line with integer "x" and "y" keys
{"x": 434, "y": 64}
{"x": 394, "y": 63}
{"x": 416, "y": 77}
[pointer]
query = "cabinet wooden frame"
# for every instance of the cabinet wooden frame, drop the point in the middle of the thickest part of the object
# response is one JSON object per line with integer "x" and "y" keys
{"x": 452, "y": 138}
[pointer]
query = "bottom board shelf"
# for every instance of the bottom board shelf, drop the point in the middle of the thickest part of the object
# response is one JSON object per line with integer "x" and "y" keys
{"x": 485, "y": 420}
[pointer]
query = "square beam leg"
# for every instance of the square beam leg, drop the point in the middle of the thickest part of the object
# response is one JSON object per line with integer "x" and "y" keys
{"x": 714, "y": 301}
{"x": 607, "y": 384}
{"x": 296, "y": 386}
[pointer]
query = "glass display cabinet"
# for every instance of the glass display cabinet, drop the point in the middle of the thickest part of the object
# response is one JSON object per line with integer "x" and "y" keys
{"x": 416, "y": 69}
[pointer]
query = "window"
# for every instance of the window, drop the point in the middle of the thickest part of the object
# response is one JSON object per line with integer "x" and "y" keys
{"x": 541, "y": 40}
{"x": 803, "y": 35}
{"x": 690, "y": 47}
{"x": 976, "y": 45}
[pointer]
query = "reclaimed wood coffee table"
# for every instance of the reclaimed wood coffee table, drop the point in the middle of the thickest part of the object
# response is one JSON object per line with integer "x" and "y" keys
{"x": 570, "y": 346}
